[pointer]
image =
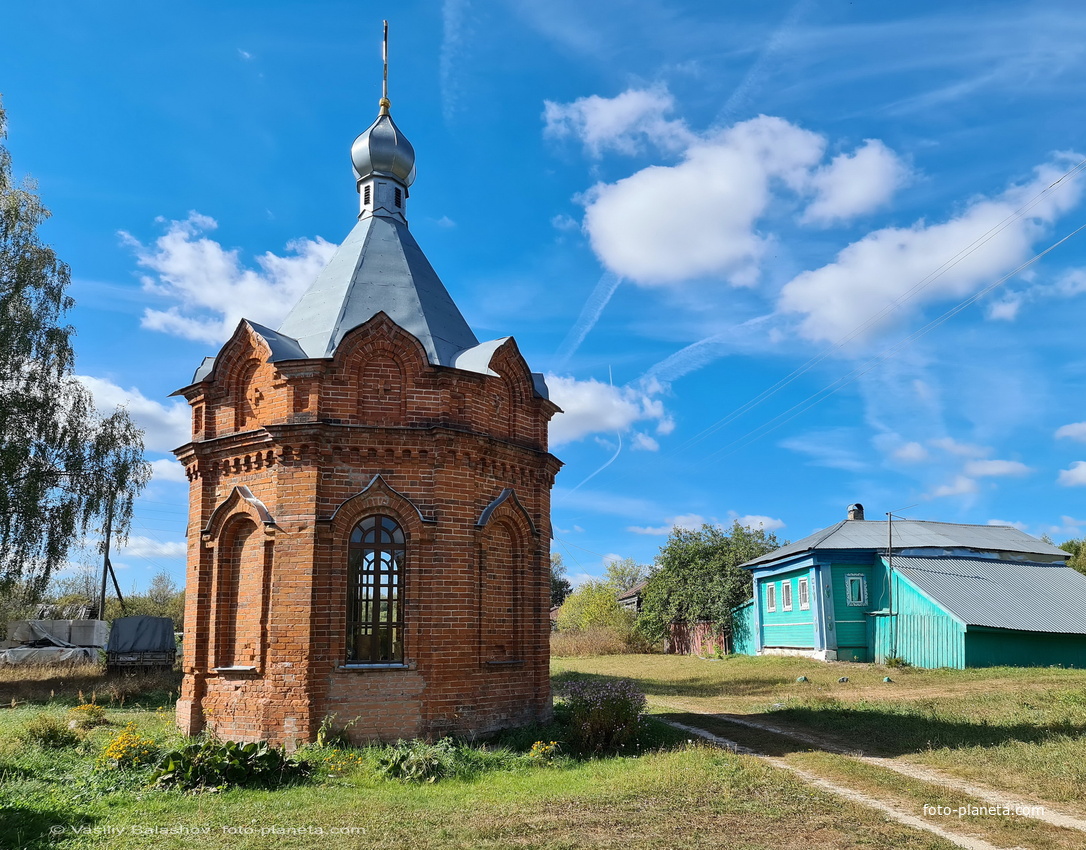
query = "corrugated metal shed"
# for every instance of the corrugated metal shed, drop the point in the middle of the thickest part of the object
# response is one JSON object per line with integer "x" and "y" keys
{"x": 1002, "y": 594}
{"x": 916, "y": 534}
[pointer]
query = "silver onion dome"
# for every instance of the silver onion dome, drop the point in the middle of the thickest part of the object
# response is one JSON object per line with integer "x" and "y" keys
{"x": 383, "y": 149}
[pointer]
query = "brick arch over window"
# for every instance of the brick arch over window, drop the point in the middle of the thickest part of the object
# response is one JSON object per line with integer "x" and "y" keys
{"x": 506, "y": 562}
{"x": 378, "y": 534}
{"x": 241, "y": 546}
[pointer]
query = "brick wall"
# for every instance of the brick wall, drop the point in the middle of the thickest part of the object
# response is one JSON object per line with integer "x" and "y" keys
{"x": 286, "y": 459}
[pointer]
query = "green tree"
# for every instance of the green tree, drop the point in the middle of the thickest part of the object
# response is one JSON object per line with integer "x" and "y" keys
{"x": 624, "y": 574}
{"x": 63, "y": 468}
{"x": 698, "y": 579}
{"x": 560, "y": 586}
{"x": 1077, "y": 548}
{"x": 594, "y": 605}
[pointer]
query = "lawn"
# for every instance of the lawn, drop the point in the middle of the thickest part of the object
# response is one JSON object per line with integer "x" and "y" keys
{"x": 1018, "y": 728}
{"x": 673, "y": 793}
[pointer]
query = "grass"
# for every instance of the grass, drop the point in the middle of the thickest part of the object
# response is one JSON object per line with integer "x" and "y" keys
{"x": 1021, "y": 727}
{"x": 672, "y": 793}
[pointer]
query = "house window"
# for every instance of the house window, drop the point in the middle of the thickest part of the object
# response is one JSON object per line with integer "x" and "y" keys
{"x": 375, "y": 557}
{"x": 771, "y": 597}
{"x": 786, "y": 595}
{"x": 804, "y": 595}
{"x": 856, "y": 590}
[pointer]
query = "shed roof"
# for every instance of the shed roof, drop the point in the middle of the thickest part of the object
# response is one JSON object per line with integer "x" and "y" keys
{"x": 1002, "y": 594}
{"x": 913, "y": 533}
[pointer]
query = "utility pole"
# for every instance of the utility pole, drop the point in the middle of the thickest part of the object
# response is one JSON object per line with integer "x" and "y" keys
{"x": 106, "y": 568}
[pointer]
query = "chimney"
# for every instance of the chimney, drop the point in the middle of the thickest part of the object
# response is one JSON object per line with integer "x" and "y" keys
{"x": 856, "y": 511}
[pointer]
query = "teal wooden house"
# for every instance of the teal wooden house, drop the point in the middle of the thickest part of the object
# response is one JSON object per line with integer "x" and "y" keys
{"x": 933, "y": 594}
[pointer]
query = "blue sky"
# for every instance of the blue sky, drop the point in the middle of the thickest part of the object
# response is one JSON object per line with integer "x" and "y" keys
{"x": 774, "y": 257}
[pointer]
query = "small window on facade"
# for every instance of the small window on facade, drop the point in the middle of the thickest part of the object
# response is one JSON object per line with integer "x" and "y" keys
{"x": 786, "y": 595}
{"x": 399, "y": 198}
{"x": 771, "y": 597}
{"x": 375, "y": 557}
{"x": 856, "y": 590}
{"x": 804, "y": 595}
{"x": 366, "y": 196}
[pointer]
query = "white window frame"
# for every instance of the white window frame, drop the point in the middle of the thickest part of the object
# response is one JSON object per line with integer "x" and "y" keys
{"x": 804, "y": 594}
{"x": 851, "y": 600}
{"x": 771, "y": 597}
{"x": 786, "y": 595}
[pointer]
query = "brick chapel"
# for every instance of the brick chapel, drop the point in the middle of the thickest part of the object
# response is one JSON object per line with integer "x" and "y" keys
{"x": 369, "y": 515}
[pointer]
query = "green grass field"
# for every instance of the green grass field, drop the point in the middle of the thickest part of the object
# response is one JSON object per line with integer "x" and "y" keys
{"x": 674, "y": 794}
{"x": 1020, "y": 728}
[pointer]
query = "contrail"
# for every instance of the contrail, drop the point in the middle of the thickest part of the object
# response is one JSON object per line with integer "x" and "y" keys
{"x": 590, "y": 314}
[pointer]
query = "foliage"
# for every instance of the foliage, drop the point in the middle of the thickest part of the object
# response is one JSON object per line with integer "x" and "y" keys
{"x": 594, "y": 605}
{"x": 218, "y": 764}
{"x": 625, "y": 573}
{"x": 698, "y": 578}
{"x": 163, "y": 598}
{"x": 560, "y": 586}
{"x": 128, "y": 749}
{"x": 604, "y": 715}
{"x": 419, "y": 761}
{"x": 594, "y": 642}
{"x": 63, "y": 467}
{"x": 544, "y": 751}
{"x": 1077, "y": 548}
{"x": 50, "y": 732}
{"x": 87, "y": 715}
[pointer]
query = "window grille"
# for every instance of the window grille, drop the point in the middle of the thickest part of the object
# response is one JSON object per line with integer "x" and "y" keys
{"x": 366, "y": 195}
{"x": 399, "y": 197}
{"x": 375, "y": 557}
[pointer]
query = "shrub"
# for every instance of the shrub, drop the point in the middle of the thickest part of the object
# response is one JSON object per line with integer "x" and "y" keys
{"x": 594, "y": 605}
{"x": 128, "y": 748}
{"x": 419, "y": 761}
{"x": 87, "y": 715}
{"x": 604, "y": 716}
{"x": 50, "y": 732}
{"x": 590, "y": 642}
{"x": 218, "y": 764}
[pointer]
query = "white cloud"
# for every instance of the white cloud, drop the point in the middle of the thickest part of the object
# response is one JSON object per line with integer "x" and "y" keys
{"x": 668, "y": 224}
{"x": 910, "y": 453}
{"x": 168, "y": 469}
{"x": 165, "y": 426}
{"x": 211, "y": 288}
{"x": 1073, "y": 431}
{"x": 960, "y": 486}
{"x": 145, "y": 547}
{"x": 1075, "y": 476}
{"x": 691, "y": 522}
{"x": 623, "y": 123}
{"x": 835, "y": 448}
{"x": 756, "y": 521}
{"x": 564, "y": 222}
{"x": 245, "y": 54}
{"x": 593, "y": 407}
{"x": 995, "y": 468}
{"x": 1069, "y": 284}
{"x": 645, "y": 443}
{"x": 952, "y": 446}
{"x": 883, "y": 272}
{"x": 854, "y": 184}
{"x": 445, "y": 222}
{"x": 1021, "y": 526}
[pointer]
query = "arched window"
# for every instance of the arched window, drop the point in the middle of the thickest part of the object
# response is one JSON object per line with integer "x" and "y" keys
{"x": 375, "y": 558}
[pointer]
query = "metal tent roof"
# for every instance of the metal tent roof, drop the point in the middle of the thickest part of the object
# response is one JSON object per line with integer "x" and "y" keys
{"x": 379, "y": 267}
{"x": 1002, "y": 594}
{"x": 916, "y": 534}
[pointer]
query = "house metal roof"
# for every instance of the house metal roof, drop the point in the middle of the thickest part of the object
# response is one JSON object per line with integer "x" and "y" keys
{"x": 1002, "y": 594}
{"x": 916, "y": 534}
